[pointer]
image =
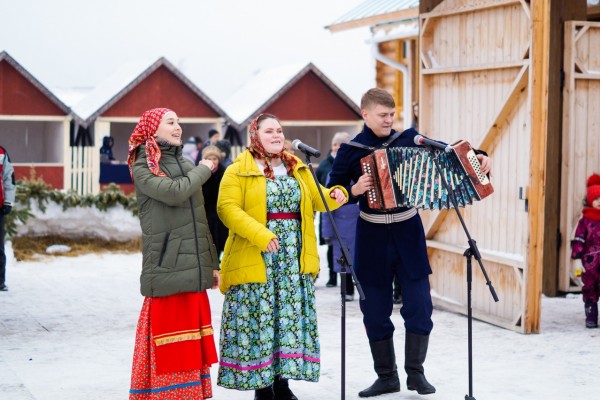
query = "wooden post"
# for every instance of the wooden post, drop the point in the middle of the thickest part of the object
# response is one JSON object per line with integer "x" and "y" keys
{"x": 559, "y": 12}
{"x": 540, "y": 12}
{"x": 546, "y": 108}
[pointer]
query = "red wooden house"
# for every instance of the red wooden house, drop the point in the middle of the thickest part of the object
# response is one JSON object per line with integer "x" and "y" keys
{"x": 310, "y": 106}
{"x": 34, "y": 125}
{"x": 113, "y": 109}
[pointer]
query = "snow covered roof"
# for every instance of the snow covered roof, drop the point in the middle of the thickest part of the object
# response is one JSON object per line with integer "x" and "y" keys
{"x": 372, "y": 12}
{"x": 4, "y": 56}
{"x": 267, "y": 85}
{"x": 71, "y": 95}
{"x": 123, "y": 80}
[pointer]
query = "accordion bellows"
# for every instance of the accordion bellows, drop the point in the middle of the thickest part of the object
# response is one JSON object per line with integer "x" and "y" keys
{"x": 408, "y": 177}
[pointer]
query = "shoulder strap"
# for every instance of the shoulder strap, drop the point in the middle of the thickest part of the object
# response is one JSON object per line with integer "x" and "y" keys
{"x": 391, "y": 139}
{"x": 384, "y": 144}
{"x": 360, "y": 145}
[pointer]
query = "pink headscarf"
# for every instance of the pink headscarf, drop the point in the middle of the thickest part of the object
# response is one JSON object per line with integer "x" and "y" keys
{"x": 258, "y": 151}
{"x": 144, "y": 134}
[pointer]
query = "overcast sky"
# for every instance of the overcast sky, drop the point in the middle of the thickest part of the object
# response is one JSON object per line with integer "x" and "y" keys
{"x": 218, "y": 44}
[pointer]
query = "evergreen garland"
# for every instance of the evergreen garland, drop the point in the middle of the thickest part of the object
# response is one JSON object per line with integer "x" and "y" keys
{"x": 35, "y": 189}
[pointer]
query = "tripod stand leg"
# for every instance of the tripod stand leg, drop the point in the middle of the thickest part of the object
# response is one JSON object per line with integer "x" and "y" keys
{"x": 468, "y": 254}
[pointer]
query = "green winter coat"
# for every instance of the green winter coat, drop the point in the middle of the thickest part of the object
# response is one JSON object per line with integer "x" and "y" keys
{"x": 178, "y": 251}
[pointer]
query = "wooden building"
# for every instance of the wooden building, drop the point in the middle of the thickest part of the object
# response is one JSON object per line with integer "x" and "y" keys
{"x": 34, "y": 125}
{"x": 521, "y": 80}
{"x": 114, "y": 107}
{"x": 310, "y": 107}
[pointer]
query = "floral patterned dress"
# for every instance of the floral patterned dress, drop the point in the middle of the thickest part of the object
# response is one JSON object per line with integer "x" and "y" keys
{"x": 271, "y": 329}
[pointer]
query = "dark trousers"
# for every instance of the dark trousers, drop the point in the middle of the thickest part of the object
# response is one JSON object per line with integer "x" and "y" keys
{"x": 376, "y": 270}
{"x": 2, "y": 253}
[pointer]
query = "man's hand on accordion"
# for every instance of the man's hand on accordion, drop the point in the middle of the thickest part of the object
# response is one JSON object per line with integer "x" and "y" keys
{"x": 364, "y": 183}
{"x": 486, "y": 164}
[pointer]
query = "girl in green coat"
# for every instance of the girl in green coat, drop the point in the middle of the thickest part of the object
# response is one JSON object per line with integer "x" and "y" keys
{"x": 174, "y": 346}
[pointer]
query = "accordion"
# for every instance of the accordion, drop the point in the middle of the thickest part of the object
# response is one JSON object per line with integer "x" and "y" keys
{"x": 408, "y": 177}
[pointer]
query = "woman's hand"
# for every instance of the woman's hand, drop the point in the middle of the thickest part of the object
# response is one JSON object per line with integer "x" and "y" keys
{"x": 273, "y": 246}
{"x": 338, "y": 195}
{"x": 216, "y": 279}
{"x": 486, "y": 164}
{"x": 208, "y": 164}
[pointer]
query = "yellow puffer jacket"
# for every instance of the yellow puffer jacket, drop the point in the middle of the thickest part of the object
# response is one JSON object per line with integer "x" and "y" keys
{"x": 242, "y": 206}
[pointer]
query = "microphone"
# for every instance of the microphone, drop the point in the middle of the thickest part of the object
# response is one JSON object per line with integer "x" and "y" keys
{"x": 421, "y": 140}
{"x": 306, "y": 149}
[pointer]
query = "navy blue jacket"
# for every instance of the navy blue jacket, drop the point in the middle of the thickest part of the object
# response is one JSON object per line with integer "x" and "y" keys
{"x": 346, "y": 167}
{"x": 408, "y": 237}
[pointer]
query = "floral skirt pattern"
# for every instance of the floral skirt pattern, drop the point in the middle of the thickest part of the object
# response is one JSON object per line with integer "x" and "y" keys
{"x": 271, "y": 329}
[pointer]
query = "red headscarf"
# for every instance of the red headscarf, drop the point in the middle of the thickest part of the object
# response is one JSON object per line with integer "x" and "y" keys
{"x": 144, "y": 134}
{"x": 258, "y": 151}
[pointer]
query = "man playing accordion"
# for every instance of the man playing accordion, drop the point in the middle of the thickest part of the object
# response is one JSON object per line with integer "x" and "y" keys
{"x": 389, "y": 242}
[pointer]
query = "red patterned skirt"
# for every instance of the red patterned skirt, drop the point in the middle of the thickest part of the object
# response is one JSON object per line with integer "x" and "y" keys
{"x": 174, "y": 349}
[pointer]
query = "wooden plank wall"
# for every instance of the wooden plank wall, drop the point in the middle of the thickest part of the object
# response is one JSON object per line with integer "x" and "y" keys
{"x": 391, "y": 79}
{"x": 475, "y": 81}
{"x": 581, "y": 128}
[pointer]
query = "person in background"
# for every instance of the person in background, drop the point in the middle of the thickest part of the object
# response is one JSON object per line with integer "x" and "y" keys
{"x": 415, "y": 108}
{"x": 106, "y": 153}
{"x": 322, "y": 173}
{"x": 198, "y": 153}
{"x": 345, "y": 219}
{"x": 225, "y": 146}
{"x": 269, "y": 328}
{"x": 210, "y": 190}
{"x": 7, "y": 199}
{"x": 287, "y": 145}
{"x": 388, "y": 242}
{"x": 586, "y": 247}
{"x": 174, "y": 345}
{"x": 213, "y": 137}
{"x": 190, "y": 150}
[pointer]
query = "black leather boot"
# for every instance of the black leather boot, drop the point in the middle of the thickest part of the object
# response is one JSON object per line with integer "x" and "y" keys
{"x": 384, "y": 361}
{"x": 281, "y": 389}
{"x": 415, "y": 353}
{"x": 265, "y": 393}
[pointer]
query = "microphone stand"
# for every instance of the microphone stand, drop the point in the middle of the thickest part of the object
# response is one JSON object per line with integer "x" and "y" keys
{"x": 472, "y": 251}
{"x": 346, "y": 267}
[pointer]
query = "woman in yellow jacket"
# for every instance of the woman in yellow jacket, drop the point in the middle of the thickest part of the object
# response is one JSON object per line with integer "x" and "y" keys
{"x": 267, "y": 199}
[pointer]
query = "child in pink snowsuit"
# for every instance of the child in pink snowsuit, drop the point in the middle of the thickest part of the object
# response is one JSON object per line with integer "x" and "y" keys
{"x": 586, "y": 246}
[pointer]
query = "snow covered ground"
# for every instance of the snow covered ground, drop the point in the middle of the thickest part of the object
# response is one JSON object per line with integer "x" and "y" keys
{"x": 67, "y": 329}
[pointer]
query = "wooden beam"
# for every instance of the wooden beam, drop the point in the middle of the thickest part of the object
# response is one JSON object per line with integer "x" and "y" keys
{"x": 526, "y": 8}
{"x": 473, "y": 68}
{"x": 589, "y": 76}
{"x": 537, "y": 171}
{"x": 511, "y": 100}
{"x": 424, "y": 32}
{"x": 502, "y": 259}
